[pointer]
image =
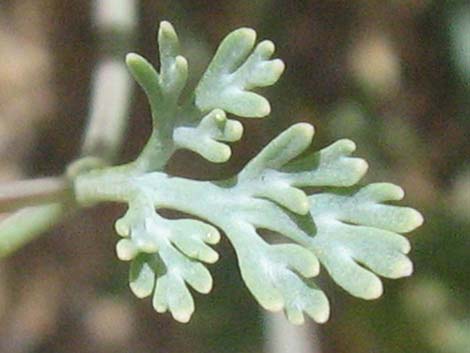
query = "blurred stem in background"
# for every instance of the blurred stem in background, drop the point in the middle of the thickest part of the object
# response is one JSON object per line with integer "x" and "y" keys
{"x": 282, "y": 336}
{"x": 115, "y": 22}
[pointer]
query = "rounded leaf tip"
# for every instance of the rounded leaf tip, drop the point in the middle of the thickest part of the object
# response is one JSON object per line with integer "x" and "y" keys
{"x": 182, "y": 316}
{"x": 415, "y": 220}
{"x": 140, "y": 291}
{"x": 263, "y": 109}
{"x": 402, "y": 269}
{"x": 223, "y": 154}
{"x": 166, "y": 27}
{"x": 132, "y": 59}
{"x": 181, "y": 63}
{"x": 266, "y": 47}
{"x": 418, "y": 219}
{"x": 122, "y": 227}
{"x": 278, "y": 67}
{"x": 125, "y": 250}
{"x": 361, "y": 167}
{"x": 322, "y": 315}
{"x": 307, "y": 130}
{"x": 373, "y": 291}
{"x": 246, "y": 33}
{"x": 211, "y": 258}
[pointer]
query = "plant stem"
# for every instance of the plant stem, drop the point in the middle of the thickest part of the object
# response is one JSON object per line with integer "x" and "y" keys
{"x": 18, "y": 194}
{"x": 281, "y": 336}
{"x": 115, "y": 22}
{"x": 109, "y": 110}
{"x": 24, "y": 225}
{"x": 155, "y": 155}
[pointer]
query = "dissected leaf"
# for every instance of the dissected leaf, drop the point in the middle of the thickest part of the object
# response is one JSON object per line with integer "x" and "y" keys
{"x": 352, "y": 231}
{"x": 234, "y": 72}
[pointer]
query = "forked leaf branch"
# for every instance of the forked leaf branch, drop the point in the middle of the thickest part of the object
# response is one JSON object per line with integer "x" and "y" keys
{"x": 352, "y": 231}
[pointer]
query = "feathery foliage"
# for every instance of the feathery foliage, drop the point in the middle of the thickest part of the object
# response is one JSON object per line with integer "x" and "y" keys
{"x": 352, "y": 231}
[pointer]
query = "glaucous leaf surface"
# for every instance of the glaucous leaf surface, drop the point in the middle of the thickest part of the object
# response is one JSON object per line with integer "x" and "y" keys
{"x": 353, "y": 232}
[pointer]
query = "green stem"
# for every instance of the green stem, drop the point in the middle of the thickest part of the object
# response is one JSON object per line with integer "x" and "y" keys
{"x": 107, "y": 185}
{"x": 155, "y": 154}
{"x": 115, "y": 22}
{"x": 18, "y": 194}
{"x": 24, "y": 225}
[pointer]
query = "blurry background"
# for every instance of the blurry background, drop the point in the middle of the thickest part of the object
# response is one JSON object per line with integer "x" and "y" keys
{"x": 392, "y": 75}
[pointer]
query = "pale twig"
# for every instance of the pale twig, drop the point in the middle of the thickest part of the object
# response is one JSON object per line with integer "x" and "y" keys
{"x": 115, "y": 22}
{"x": 24, "y": 225}
{"x": 281, "y": 336}
{"x": 18, "y": 194}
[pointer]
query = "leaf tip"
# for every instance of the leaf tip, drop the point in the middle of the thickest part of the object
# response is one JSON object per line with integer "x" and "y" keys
{"x": 264, "y": 109}
{"x": 398, "y": 192}
{"x": 247, "y": 34}
{"x": 323, "y": 315}
{"x": 125, "y": 250}
{"x": 347, "y": 146}
{"x": 213, "y": 236}
{"x": 414, "y": 220}
{"x": 266, "y": 47}
{"x": 219, "y": 115}
{"x": 139, "y": 291}
{"x": 306, "y": 130}
{"x": 278, "y": 67}
{"x": 206, "y": 288}
{"x": 418, "y": 219}
{"x": 132, "y": 59}
{"x": 122, "y": 228}
{"x": 234, "y": 130}
{"x": 361, "y": 167}
{"x": 223, "y": 154}
{"x": 374, "y": 290}
{"x": 212, "y": 258}
{"x": 159, "y": 308}
{"x": 182, "y": 316}
{"x": 181, "y": 63}
{"x": 166, "y": 28}
{"x": 404, "y": 268}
